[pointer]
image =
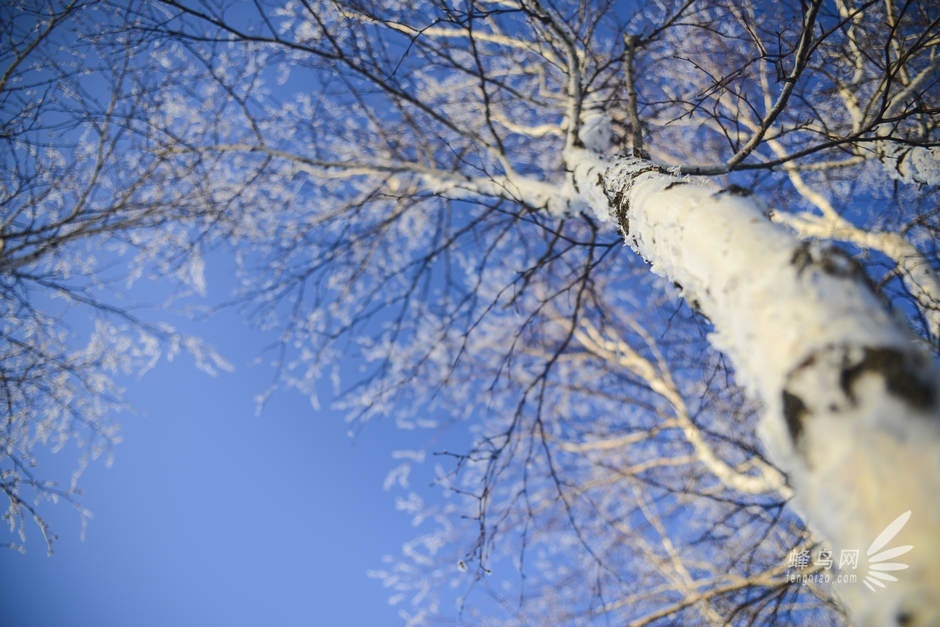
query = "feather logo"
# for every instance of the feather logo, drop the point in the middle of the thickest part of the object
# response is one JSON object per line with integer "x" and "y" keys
{"x": 877, "y": 559}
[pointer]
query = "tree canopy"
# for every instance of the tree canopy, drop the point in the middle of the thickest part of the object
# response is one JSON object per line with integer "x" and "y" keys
{"x": 403, "y": 186}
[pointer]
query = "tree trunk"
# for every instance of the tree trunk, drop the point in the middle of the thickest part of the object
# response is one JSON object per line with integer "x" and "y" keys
{"x": 851, "y": 402}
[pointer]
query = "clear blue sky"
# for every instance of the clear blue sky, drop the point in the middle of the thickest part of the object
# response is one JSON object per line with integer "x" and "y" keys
{"x": 212, "y": 515}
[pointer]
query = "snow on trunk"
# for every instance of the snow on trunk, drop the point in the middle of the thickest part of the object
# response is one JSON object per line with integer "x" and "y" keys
{"x": 915, "y": 270}
{"x": 852, "y": 411}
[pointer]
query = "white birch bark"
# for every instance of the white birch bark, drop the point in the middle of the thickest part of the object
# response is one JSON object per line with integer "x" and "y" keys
{"x": 851, "y": 403}
{"x": 914, "y": 269}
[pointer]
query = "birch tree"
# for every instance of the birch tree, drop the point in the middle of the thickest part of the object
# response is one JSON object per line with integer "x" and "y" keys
{"x": 445, "y": 190}
{"x": 643, "y": 254}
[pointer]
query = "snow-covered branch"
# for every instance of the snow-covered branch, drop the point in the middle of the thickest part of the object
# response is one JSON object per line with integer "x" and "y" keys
{"x": 660, "y": 380}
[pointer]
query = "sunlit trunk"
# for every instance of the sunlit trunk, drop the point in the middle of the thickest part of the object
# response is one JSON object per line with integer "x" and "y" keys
{"x": 851, "y": 404}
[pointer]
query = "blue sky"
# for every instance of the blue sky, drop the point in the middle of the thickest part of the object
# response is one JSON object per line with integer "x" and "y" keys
{"x": 212, "y": 515}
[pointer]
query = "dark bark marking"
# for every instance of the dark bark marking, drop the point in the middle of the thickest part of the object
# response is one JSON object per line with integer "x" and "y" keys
{"x": 794, "y": 412}
{"x": 839, "y": 263}
{"x": 618, "y": 197}
{"x": 622, "y": 219}
{"x": 621, "y": 205}
{"x": 734, "y": 190}
{"x": 801, "y": 258}
{"x": 900, "y": 372}
{"x": 649, "y": 168}
{"x": 617, "y": 200}
{"x": 830, "y": 260}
